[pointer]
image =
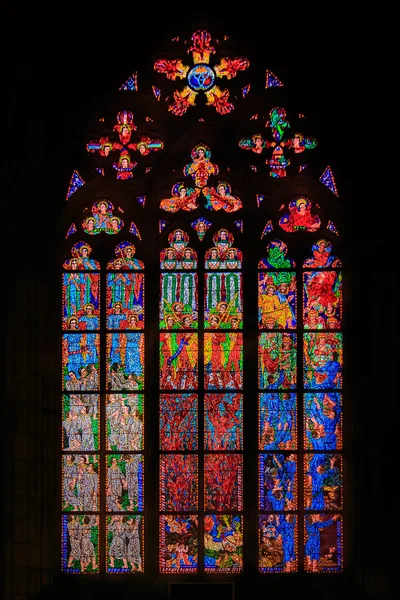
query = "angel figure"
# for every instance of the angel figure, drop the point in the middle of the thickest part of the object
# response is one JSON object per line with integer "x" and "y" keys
{"x": 183, "y": 198}
{"x": 201, "y": 167}
{"x": 221, "y": 198}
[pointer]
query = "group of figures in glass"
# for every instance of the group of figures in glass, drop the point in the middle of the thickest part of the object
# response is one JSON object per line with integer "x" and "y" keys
{"x": 124, "y": 411}
{"x": 223, "y": 371}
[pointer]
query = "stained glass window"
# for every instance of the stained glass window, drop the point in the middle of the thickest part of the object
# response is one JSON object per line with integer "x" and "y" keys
{"x": 227, "y": 359}
{"x": 89, "y": 417}
{"x": 308, "y": 302}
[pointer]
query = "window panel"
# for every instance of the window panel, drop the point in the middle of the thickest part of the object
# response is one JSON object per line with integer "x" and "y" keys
{"x": 323, "y": 359}
{"x": 125, "y": 361}
{"x": 178, "y": 301}
{"x": 277, "y": 300}
{"x": 178, "y": 361}
{"x": 124, "y": 482}
{"x": 80, "y": 422}
{"x": 323, "y": 482}
{"x": 278, "y": 543}
{"x": 223, "y": 543}
{"x": 178, "y": 482}
{"x": 322, "y": 298}
{"x": 124, "y": 543}
{"x": 223, "y": 361}
{"x": 178, "y": 543}
{"x": 80, "y": 361}
{"x": 277, "y": 421}
{"x": 80, "y": 476}
{"x": 323, "y": 543}
{"x": 323, "y": 421}
{"x": 77, "y": 532}
{"x": 223, "y": 482}
{"x": 178, "y": 422}
{"x": 223, "y": 303}
{"x": 125, "y": 300}
{"x": 124, "y": 422}
{"x": 81, "y": 300}
{"x": 223, "y": 422}
{"x": 277, "y": 356}
{"x": 277, "y": 482}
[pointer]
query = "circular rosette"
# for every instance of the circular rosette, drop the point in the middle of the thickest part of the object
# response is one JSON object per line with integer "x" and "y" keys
{"x": 201, "y": 78}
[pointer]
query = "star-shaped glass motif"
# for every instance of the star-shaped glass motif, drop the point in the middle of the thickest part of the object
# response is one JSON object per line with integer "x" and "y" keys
{"x": 201, "y": 77}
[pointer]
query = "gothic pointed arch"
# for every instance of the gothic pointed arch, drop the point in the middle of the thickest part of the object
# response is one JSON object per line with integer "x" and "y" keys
{"x": 202, "y": 330}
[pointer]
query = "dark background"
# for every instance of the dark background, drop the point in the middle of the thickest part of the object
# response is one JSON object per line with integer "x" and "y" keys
{"x": 59, "y": 66}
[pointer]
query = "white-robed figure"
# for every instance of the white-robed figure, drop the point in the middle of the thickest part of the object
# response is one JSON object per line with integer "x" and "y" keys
{"x": 72, "y": 436}
{"x": 115, "y": 483}
{"x": 125, "y": 426}
{"x": 74, "y": 536}
{"x": 70, "y": 478}
{"x": 85, "y": 425}
{"x": 89, "y": 488}
{"x": 136, "y": 433}
{"x": 113, "y": 411}
{"x": 88, "y": 555}
{"x": 117, "y": 548}
{"x": 133, "y": 536}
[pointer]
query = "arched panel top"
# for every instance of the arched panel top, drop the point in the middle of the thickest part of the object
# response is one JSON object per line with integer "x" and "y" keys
{"x": 300, "y": 216}
{"x": 102, "y": 220}
{"x": 223, "y": 255}
{"x": 276, "y": 257}
{"x": 80, "y": 258}
{"x": 178, "y": 255}
{"x": 124, "y": 253}
{"x": 322, "y": 256}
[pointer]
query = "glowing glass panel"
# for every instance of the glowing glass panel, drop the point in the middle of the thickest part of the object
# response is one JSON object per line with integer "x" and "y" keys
{"x": 322, "y": 299}
{"x": 323, "y": 539}
{"x": 125, "y": 300}
{"x": 323, "y": 359}
{"x": 124, "y": 253}
{"x": 223, "y": 482}
{"x": 125, "y": 361}
{"x": 300, "y": 216}
{"x": 223, "y": 303}
{"x": 321, "y": 256}
{"x": 276, "y": 257}
{"x": 80, "y": 475}
{"x": 223, "y": 361}
{"x": 178, "y": 301}
{"x": 178, "y": 361}
{"x": 102, "y": 219}
{"x": 223, "y": 422}
{"x": 80, "y": 422}
{"x": 124, "y": 482}
{"x": 278, "y": 542}
{"x": 277, "y": 421}
{"x": 178, "y": 422}
{"x": 277, "y": 482}
{"x": 323, "y": 421}
{"x": 178, "y": 543}
{"x": 80, "y": 360}
{"x": 277, "y": 300}
{"x": 277, "y": 366}
{"x": 178, "y": 482}
{"x": 77, "y": 532}
{"x": 323, "y": 482}
{"x": 81, "y": 301}
{"x": 125, "y": 544}
{"x": 124, "y": 422}
{"x": 223, "y": 543}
